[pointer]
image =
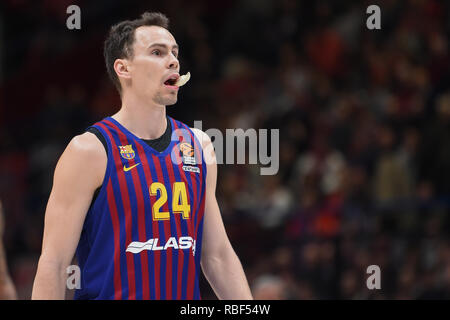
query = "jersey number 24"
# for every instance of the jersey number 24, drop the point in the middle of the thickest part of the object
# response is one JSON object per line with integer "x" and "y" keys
{"x": 179, "y": 200}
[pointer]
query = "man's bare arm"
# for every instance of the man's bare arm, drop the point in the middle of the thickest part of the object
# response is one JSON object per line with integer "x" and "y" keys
{"x": 79, "y": 171}
{"x": 219, "y": 262}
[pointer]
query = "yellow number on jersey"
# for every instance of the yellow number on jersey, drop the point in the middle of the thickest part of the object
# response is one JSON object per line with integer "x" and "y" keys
{"x": 179, "y": 193}
{"x": 158, "y": 215}
{"x": 179, "y": 200}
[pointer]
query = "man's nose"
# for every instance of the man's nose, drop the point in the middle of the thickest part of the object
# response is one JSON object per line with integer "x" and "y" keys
{"x": 173, "y": 62}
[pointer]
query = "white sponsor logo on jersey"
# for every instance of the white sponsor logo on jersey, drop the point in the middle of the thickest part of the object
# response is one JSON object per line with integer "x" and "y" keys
{"x": 181, "y": 243}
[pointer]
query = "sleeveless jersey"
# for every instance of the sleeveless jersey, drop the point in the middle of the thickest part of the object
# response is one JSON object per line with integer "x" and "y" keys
{"x": 142, "y": 235}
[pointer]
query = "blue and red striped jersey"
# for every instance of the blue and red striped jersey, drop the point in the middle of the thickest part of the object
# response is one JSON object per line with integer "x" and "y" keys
{"x": 142, "y": 235}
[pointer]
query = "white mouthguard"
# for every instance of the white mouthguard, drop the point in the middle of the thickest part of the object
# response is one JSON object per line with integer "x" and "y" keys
{"x": 183, "y": 79}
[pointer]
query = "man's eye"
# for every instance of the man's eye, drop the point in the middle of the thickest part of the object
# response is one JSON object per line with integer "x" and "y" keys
{"x": 175, "y": 54}
{"x": 156, "y": 52}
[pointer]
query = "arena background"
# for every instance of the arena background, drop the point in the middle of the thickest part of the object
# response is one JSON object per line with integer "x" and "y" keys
{"x": 364, "y": 119}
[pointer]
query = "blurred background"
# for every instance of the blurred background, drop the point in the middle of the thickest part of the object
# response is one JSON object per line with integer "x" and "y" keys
{"x": 364, "y": 119}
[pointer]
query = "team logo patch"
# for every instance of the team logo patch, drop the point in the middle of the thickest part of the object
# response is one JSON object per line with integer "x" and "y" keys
{"x": 189, "y": 163}
{"x": 186, "y": 149}
{"x": 188, "y": 153}
{"x": 127, "y": 152}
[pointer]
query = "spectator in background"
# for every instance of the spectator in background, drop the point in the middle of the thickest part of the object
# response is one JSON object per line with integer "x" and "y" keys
{"x": 269, "y": 287}
{"x": 364, "y": 121}
{"x": 392, "y": 180}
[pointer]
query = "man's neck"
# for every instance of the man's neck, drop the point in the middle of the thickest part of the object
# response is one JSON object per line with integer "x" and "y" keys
{"x": 143, "y": 120}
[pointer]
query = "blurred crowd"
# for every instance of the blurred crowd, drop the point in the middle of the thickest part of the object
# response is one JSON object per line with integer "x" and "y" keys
{"x": 364, "y": 120}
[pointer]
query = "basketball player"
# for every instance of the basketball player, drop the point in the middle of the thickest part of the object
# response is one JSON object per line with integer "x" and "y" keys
{"x": 7, "y": 289}
{"x": 134, "y": 196}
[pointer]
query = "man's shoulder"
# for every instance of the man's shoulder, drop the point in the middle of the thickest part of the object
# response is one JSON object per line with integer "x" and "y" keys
{"x": 84, "y": 161}
{"x": 86, "y": 147}
{"x": 201, "y": 136}
{"x": 86, "y": 142}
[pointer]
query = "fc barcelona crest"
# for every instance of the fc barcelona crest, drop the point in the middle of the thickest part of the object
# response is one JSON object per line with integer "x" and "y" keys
{"x": 127, "y": 152}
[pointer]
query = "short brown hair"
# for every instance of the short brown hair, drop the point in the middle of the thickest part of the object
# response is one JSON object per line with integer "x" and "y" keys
{"x": 119, "y": 43}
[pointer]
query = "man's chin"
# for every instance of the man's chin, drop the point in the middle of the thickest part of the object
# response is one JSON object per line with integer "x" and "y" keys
{"x": 171, "y": 101}
{"x": 166, "y": 101}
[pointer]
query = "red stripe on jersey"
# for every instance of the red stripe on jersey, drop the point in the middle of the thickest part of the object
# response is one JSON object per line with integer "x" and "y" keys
{"x": 141, "y": 218}
{"x": 188, "y": 223}
{"x": 116, "y": 231}
{"x": 193, "y": 177}
{"x": 200, "y": 206}
{"x": 156, "y": 254}
{"x": 191, "y": 266}
{"x": 127, "y": 212}
{"x": 183, "y": 176}
{"x": 169, "y": 166}
{"x": 166, "y": 228}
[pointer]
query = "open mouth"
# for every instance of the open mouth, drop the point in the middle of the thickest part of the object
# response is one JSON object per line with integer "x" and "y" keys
{"x": 172, "y": 81}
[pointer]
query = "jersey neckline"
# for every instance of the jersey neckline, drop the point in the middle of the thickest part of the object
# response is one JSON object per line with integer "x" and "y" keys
{"x": 143, "y": 143}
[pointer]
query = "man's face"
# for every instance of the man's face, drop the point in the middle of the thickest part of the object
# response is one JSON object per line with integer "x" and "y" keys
{"x": 154, "y": 61}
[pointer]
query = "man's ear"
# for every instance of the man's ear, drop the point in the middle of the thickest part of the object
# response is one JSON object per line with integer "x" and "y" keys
{"x": 122, "y": 68}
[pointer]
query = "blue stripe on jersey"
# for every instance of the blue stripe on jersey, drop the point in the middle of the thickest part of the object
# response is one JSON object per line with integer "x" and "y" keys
{"x": 197, "y": 177}
{"x": 173, "y": 227}
{"x": 184, "y": 229}
{"x": 121, "y": 215}
{"x": 162, "y": 236}
{"x": 148, "y": 224}
{"x": 195, "y": 143}
{"x": 198, "y": 254}
{"x": 108, "y": 286}
{"x": 198, "y": 251}
{"x": 134, "y": 226}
